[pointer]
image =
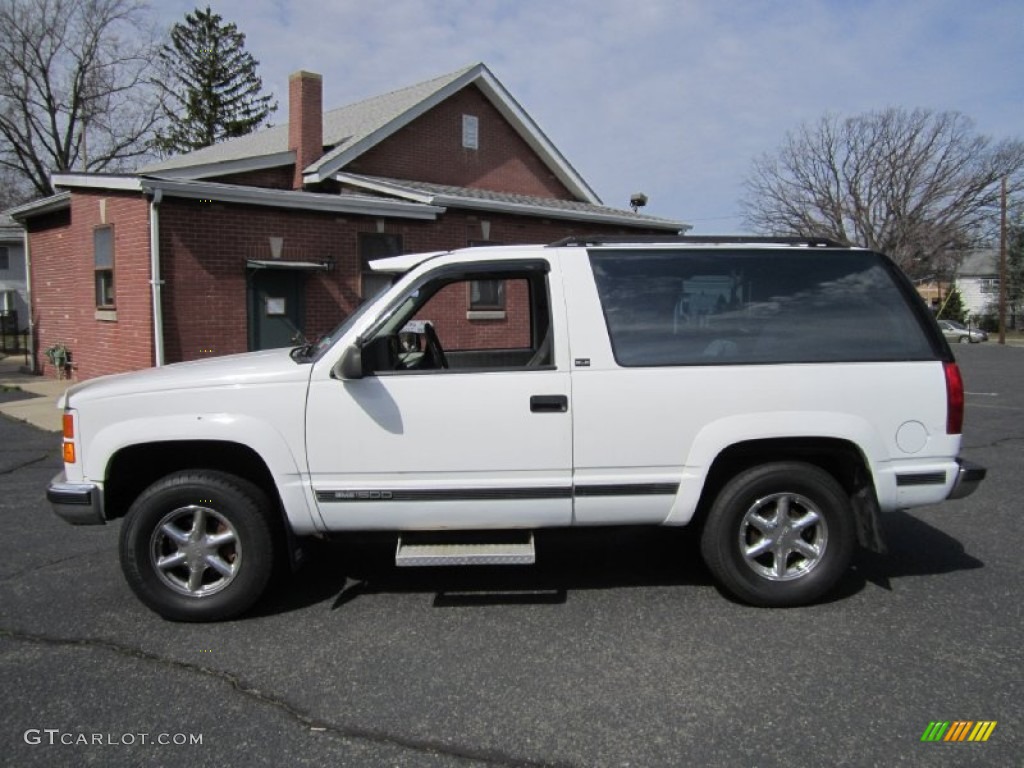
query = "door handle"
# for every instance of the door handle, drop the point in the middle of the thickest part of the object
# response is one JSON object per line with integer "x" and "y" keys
{"x": 549, "y": 403}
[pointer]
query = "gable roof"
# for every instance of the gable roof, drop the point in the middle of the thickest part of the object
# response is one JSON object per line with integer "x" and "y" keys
{"x": 352, "y": 130}
{"x": 10, "y": 230}
{"x": 983, "y": 262}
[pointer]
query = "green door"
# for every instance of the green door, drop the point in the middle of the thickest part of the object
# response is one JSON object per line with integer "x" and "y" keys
{"x": 275, "y": 308}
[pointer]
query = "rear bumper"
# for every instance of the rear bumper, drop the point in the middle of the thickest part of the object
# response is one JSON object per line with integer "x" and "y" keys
{"x": 968, "y": 478}
{"x": 77, "y": 503}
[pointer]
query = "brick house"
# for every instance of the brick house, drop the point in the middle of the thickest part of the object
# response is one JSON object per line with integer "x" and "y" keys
{"x": 240, "y": 245}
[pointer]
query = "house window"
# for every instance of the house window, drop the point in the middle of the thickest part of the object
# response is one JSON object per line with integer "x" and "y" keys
{"x": 5, "y": 259}
{"x": 470, "y": 131}
{"x": 989, "y": 285}
{"x": 375, "y": 245}
{"x": 103, "y": 263}
{"x": 486, "y": 295}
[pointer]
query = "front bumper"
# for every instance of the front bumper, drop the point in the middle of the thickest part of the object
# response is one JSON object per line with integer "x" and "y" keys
{"x": 77, "y": 503}
{"x": 968, "y": 478}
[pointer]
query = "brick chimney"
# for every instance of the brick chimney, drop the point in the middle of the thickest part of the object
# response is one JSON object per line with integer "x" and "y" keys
{"x": 305, "y": 120}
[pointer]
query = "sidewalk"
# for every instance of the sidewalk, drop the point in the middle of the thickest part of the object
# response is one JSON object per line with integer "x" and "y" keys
{"x": 29, "y": 398}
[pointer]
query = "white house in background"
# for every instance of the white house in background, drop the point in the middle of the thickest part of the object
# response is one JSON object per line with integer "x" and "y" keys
{"x": 978, "y": 282}
{"x": 13, "y": 280}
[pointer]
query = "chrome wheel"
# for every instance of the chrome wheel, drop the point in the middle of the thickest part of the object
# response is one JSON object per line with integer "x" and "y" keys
{"x": 779, "y": 534}
{"x": 783, "y": 536}
{"x": 195, "y": 551}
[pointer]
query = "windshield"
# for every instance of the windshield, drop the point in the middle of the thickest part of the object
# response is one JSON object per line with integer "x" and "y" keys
{"x": 326, "y": 341}
{"x": 315, "y": 351}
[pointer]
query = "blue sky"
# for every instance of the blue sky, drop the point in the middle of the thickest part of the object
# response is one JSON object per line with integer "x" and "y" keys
{"x": 669, "y": 97}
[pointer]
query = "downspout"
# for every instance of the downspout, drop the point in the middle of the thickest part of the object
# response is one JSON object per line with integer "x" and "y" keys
{"x": 31, "y": 308}
{"x": 155, "y": 281}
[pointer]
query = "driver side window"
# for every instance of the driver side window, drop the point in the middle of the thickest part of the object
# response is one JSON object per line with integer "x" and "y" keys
{"x": 431, "y": 330}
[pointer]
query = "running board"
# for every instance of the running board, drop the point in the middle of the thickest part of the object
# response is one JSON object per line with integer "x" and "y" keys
{"x": 458, "y": 548}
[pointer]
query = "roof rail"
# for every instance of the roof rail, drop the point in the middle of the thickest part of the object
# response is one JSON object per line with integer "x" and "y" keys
{"x": 588, "y": 240}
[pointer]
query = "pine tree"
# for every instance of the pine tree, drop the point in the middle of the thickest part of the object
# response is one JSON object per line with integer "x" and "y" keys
{"x": 953, "y": 308}
{"x": 1015, "y": 273}
{"x": 211, "y": 89}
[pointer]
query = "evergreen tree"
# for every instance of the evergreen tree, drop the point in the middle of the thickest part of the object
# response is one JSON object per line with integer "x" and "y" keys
{"x": 953, "y": 308}
{"x": 210, "y": 86}
{"x": 1015, "y": 273}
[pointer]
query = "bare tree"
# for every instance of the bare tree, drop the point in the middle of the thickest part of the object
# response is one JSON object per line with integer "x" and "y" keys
{"x": 74, "y": 94}
{"x": 919, "y": 185}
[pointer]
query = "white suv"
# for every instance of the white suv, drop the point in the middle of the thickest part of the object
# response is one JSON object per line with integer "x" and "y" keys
{"x": 777, "y": 395}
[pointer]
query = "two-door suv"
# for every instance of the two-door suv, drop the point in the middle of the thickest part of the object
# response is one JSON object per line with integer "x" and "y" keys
{"x": 778, "y": 395}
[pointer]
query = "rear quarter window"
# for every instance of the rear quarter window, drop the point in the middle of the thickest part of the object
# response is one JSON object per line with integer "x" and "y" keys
{"x": 707, "y": 307}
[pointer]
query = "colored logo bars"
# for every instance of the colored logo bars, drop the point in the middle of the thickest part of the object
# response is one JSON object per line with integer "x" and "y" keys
{"x": 959, "y": 730}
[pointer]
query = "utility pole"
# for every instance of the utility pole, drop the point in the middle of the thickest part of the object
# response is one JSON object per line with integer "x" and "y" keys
{"x": 1002, "y": 263}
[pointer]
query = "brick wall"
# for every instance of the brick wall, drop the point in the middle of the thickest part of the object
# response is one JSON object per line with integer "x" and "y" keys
{"x": 63, "y": 285}
{"x": 204, "y": 248}
{"x": 430, "y": 149}
{"x": 448, "y": 311}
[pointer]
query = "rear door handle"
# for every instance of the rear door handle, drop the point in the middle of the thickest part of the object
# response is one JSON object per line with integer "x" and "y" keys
{"x": 549, "y": 403}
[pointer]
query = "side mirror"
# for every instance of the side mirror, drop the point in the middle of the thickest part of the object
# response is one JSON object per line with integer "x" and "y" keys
{"x": 350, "y": 367}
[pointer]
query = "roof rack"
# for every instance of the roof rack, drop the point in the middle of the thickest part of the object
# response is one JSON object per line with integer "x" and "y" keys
{"x": 588, "y": 240}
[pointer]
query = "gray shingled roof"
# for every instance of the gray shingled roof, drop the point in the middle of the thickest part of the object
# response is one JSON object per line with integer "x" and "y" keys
{"x": 343, "y": 127}
{"x": 982, "y": 262}
{"x": 442, "y": 194}
{"x": 9, "y": 229}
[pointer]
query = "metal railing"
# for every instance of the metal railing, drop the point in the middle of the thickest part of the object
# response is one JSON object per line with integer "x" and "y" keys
{"x": 13, "y": 339}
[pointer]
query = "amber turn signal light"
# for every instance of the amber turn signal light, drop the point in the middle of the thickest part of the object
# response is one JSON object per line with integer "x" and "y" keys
{"x": 69, "y": 453}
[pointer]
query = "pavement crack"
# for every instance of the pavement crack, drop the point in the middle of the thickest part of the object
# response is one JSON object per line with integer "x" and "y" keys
{"x": 24, "y": 464}
{"x": 306, "y": 720}
{"x": 994, "y": 443}
{"x": 43, "y": 566}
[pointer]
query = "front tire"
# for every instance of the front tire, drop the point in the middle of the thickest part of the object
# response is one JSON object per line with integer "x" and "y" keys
{"x": 197, "y": 545}
{"x": 779, "y": 534}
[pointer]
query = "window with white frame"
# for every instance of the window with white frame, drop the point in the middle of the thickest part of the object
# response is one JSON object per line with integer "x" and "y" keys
{"x": 470, "y": 132}
{"x": 103, "y": 264}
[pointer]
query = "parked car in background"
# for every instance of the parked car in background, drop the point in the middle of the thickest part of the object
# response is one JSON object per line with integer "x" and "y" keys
{"x": 954, "y": 331}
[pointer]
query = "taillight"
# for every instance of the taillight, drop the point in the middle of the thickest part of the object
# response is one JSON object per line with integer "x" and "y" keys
{"x": 69, "y": 438}
{"x": 954, "y": 399}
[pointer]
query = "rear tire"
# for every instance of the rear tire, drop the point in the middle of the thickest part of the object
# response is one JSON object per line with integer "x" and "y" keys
{"x": 779, "y": 534}
{"x": 198, "y": 545}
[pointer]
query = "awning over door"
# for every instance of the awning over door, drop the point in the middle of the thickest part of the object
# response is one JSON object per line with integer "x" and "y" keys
{"x": 278, "y": 264}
